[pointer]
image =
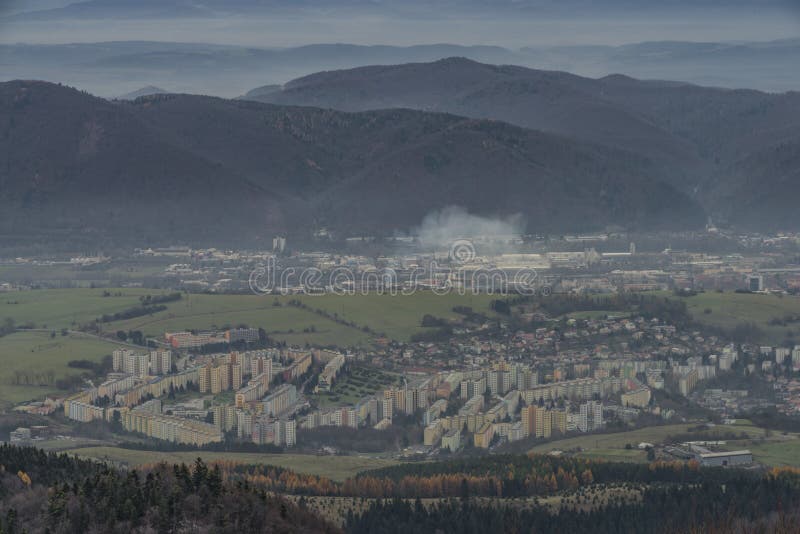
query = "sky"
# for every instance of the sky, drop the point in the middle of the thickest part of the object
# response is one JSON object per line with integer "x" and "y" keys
{"x": 521, "y": 23}
{"x": 428, "y": 23}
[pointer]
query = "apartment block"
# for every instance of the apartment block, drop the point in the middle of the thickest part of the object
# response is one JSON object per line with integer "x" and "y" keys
{"x": 170, "y": 428}
{"x": 452, "y": 440}
{"x": 638, "y": 398}
{"x": 280, "y": 400}
{"x": 483, "y": 436}
{"x": 83, "y": 412}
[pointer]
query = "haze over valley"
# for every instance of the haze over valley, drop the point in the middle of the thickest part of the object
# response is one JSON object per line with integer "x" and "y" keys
{"x": 392, "y": 266}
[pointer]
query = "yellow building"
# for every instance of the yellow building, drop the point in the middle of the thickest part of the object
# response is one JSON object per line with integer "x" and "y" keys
{"x": 560, "y": 421}
{"x": 204, "y": 379}
{"x": 86, "y": 397}
{"x": 433, "y": 433}
{"x": 547, "y": 423}
{"x": 638, "y": 398}
{"x": 539, "y": 425}
{"x": 170, "y": 428}
{"x": 452, "y": 440}
{"x": 236, "y": 376}
{"x": 528, "y": 415}
{"x": 483, "y": 437}
{"x": 249, "y": 393}
{"x": 224, "y": 377}
{"x": 687, "y": 382}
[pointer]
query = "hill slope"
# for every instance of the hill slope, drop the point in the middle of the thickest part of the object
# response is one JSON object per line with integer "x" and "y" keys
{"x": 148, "y": 90}
{"x": 170, "y": 166}
{"x": 703, "y": 136}
{"x": 551, "y": 101}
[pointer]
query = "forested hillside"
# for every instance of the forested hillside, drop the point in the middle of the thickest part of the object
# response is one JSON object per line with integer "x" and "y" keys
{"x": 729, "y": 149}
{"x": 46, "y": 492}
{"x": 41, "y": 492}
{"x": 169, "y": 167}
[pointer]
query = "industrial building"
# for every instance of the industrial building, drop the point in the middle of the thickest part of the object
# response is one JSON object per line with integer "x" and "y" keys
{"x": 725, "y": 459}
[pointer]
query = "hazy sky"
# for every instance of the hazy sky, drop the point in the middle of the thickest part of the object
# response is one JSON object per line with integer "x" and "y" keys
{"x": 388, "y": 22}
{"x": 359, "y": 26}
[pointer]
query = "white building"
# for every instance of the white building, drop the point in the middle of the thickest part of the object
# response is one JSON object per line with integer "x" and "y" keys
{"x": 590, "y": 417}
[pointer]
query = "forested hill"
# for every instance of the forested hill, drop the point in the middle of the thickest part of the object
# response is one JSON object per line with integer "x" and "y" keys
{"x": 47, "y": 492}
{"x": 735, "y": 151}
{"x": 41, "y": 492}
{"x": 170, "y": 167}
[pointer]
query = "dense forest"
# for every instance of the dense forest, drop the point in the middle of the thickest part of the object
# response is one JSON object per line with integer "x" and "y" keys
{"x": 506, "y": 476}
{"x": 770, "y": 504}
{"x": 48, "y": 492}
{"x": 45, "y": 492}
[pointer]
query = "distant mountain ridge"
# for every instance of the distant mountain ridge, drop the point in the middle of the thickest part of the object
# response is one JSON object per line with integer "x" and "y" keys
{"x": 113, "y": 68}
{"x": 261, "y": 92}
{"x": 169, "y": 167}
{"x": 706, "y": 140}
{"x": 144, "y": 91}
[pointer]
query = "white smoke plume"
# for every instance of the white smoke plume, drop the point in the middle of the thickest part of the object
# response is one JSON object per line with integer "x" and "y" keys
{"x": 441, "y": 228}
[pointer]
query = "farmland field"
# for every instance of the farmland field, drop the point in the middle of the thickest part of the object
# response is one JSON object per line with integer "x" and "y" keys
{"x": 322, "y": 321}
{"x": 777, "y": 451}
{"x": 66, "y": 308}
{"x": 730, "y": 309}
{"x": 27, "y": 356}
{"x": 612, "y": 446}
{"x": 333, "y": 467}
{"x": 396, "y": 316}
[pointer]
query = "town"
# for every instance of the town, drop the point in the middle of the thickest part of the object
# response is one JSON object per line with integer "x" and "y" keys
{"x": 520, "y": 377}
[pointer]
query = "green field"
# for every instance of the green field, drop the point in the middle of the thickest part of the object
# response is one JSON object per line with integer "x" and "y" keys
{"x": 286, "y": 323}
{"x": 396, "y": 316}
{"x": 730, "y": 309}
{"x": 28, "y": 356}
{"x": 612, "y": 446}
{"x": 333, "y": 467}
{"x": 773, "y": 450}
{"x": 11, "y": 395}
{"x": 35, "y": 352}
{"x": 779, "y": 450}
{"x": 66, "y": 308}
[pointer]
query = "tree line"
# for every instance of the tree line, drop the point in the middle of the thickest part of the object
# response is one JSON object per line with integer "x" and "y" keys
{"x": 41, "y": 492}
{"x": 767, "y": 504}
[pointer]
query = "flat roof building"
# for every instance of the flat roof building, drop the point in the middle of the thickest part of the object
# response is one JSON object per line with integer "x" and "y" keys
{"x": 725, "y": 459}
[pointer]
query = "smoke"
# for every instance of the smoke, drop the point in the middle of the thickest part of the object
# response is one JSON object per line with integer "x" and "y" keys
{"x": 444, "y": 227}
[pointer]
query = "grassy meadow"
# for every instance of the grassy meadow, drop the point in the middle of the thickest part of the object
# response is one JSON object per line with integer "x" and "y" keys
{"x": 334, "y": 467}
{"x": 396, "y": 316}
{"x": 611, "y": 446}
{"x": 33, "y": 357}
{"x": 66, "y": 308}
{"x": 320, "y": 322}
{"x": 730, "y": 309}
